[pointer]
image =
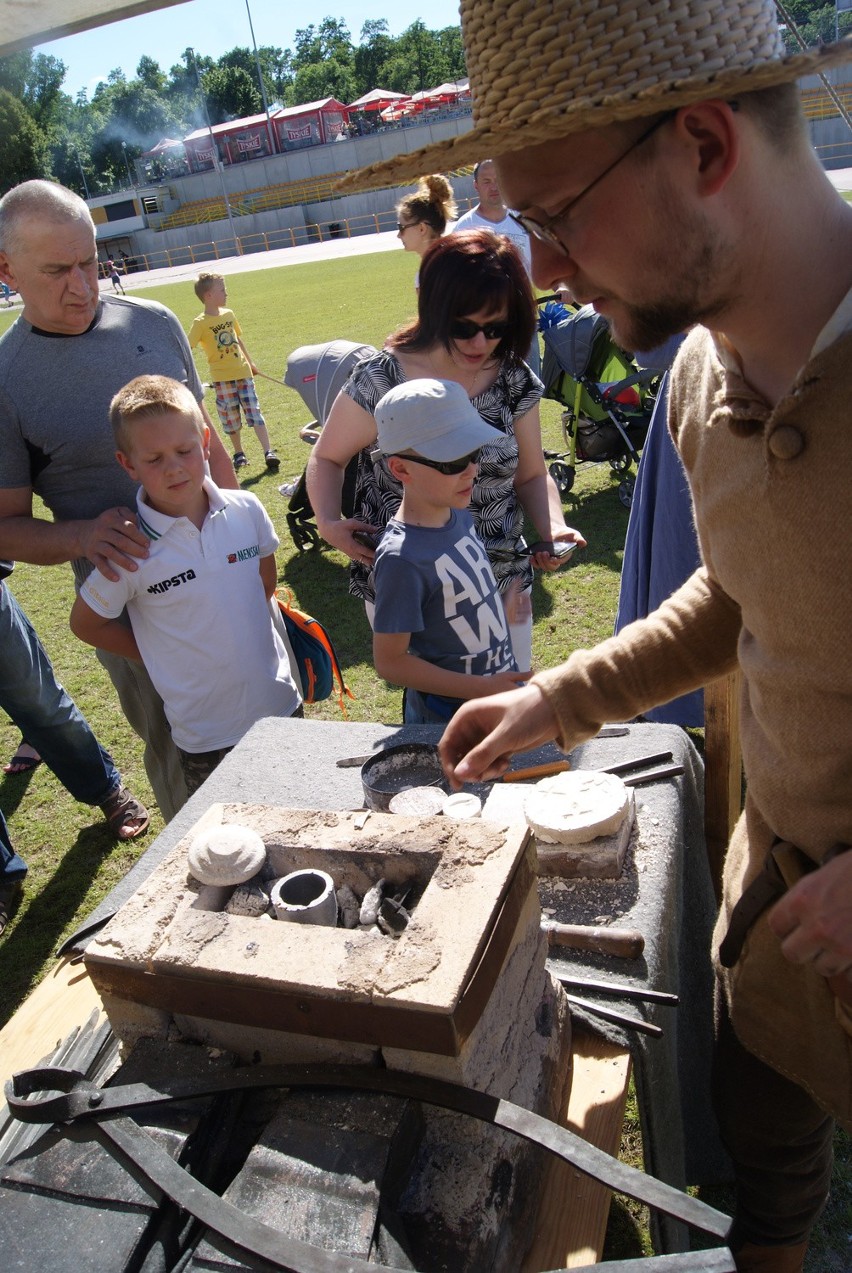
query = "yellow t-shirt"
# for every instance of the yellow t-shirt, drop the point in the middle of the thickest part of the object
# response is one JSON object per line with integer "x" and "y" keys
{"x": 217, "y": 334}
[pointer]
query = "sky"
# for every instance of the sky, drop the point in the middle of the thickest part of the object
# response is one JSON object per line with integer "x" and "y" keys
{"x": 212, "y": 27}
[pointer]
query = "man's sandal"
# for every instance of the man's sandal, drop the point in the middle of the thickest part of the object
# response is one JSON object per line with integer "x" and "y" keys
{"x": 25, "y": 759}
{"x": 127, "y": 816}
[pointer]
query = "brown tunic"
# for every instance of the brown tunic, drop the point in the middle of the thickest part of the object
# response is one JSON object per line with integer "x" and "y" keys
{"x": 772, "y": 491}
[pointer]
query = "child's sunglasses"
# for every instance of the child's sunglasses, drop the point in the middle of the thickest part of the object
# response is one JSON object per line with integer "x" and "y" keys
{"x": 466, "y": 329}
{"x": 450, "y": 468}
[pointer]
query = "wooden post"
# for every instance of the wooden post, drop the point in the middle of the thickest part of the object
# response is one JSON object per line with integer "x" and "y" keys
{"x": 723, "y": 763}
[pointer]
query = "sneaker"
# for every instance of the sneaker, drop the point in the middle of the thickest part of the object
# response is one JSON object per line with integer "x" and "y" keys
{"x": 288, "y": 488}
{"x": 240, "y": 460}
{"x": 272, "y": 462}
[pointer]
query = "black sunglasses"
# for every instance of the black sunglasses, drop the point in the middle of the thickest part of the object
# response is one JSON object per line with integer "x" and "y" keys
{"x": 450, "y": 468}
{"x": 466, "y": 329}
{"x": 406, "y": 225}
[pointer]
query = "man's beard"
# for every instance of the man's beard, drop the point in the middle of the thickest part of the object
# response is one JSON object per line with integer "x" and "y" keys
{"x": 688, "y": 272}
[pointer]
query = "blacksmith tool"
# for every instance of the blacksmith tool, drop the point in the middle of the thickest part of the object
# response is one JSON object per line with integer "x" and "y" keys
{"x": 68, "y": 1096}
{"x": 618, "y": 989}
{"x": 627, "y": 769}
{"x": 625, "y": 943}
{"x": 617, "y": 1018}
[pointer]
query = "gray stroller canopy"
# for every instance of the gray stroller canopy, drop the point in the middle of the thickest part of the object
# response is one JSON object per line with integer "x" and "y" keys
{"x": 318, "y": 372}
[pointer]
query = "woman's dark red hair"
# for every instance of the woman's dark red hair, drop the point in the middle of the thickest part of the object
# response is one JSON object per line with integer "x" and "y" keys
{"x": 474, "y": 272}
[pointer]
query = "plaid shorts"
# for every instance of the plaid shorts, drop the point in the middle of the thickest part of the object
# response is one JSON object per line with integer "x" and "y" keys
{"x": 230, "y": 396}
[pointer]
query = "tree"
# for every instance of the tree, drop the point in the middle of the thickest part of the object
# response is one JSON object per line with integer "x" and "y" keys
{"x": 36, "y": 81}
{"x": 371, "y": 56}
{"x": 816, "y": 21}
{"x": 324, "y": 79}
{"x": 149, "y": 72}
{"x": 231, "y": 94}
{"x": 23, "y": 154}
{"x": 275, "y": 66}
{"x": 329, "y": 40}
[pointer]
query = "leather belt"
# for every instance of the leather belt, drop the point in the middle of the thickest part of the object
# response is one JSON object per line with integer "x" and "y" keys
{"x": 763, "y": 892}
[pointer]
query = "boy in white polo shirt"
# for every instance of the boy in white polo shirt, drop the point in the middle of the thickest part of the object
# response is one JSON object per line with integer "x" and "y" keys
{"x": 198, "y": 604}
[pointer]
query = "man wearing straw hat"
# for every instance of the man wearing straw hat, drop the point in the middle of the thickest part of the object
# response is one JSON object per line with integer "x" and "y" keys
{"x": 656, "y": 153}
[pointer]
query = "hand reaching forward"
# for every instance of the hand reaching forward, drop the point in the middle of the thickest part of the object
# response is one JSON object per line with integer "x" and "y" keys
{"x": 485, "y": 733}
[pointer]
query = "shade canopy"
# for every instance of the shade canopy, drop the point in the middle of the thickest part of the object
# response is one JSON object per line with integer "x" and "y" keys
{"x": 25, "y": 24}
{"x": 167, "y": 143}
{"x": 377, "y": 99}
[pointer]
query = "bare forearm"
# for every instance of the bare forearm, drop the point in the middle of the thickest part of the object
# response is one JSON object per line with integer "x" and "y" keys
{"x": 104, "y": 634}
{"x": 414, "y": 673}
{"x": 690, "y": 640}
{"x": 41, "y": 542}
{"x": 325, "y": 489}
{"x": 540, "y": 500}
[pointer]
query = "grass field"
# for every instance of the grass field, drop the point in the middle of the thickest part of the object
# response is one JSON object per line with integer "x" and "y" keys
{"x": 73, "y": 861}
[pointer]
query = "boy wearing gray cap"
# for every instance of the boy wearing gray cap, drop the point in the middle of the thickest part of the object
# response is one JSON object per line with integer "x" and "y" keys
{"x": 439, "y": 628}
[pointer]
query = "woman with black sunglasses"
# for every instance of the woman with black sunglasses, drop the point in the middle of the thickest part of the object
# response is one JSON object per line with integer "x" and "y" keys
{"x": 476, "y": 317}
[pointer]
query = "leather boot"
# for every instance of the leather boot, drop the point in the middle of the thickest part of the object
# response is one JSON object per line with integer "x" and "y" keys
{"x": 770, "y": 1259}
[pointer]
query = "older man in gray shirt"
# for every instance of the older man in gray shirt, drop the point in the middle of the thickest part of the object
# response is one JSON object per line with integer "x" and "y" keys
{"x": 61, "y": 363}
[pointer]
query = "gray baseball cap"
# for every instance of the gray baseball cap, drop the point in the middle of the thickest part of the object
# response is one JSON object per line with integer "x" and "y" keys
{"x": 434, "y": 418}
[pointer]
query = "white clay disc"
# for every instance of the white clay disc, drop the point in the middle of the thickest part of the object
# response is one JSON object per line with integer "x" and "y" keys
{"x": 418, "y": 802}
{"x": 462, "y": 804}
{"x": 571, "y": 808}
{"x": 228, "y": 854}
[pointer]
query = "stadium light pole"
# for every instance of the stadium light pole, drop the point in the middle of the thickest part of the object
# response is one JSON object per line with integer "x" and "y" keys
{"x": 269, "y": 132}
{"x": 82, "y": 174}
{"x": 216, "y": 162}
{"x": 127, "y": 164}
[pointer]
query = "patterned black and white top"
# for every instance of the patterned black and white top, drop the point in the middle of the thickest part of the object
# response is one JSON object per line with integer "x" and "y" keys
{"x": 495, "y": 506}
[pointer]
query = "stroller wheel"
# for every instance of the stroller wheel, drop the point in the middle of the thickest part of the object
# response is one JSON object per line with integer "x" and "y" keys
{"x": 304, "y": 535}
{"x": 625, "y": 490}
{"x": 563, "y": 475}
{"x": 620, "y": 463}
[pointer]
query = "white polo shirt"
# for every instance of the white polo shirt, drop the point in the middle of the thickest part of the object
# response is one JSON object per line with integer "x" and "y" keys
{"x": 202, "y": 621}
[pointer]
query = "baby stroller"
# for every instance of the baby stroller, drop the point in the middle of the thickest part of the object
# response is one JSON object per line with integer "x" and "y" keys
{"x": 608, "y": 399}
{"x": 317, "y": 373}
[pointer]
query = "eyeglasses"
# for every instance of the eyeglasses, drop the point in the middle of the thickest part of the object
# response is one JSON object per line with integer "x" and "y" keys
{"x": 466, "y": 329}
{"x": 406, "y": 225}
{"x": 545, "y": 231}
{"x": 450, "y": 468}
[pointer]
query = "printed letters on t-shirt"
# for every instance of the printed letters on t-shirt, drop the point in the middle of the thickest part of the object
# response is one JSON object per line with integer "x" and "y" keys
{"x": 471, "y": 604}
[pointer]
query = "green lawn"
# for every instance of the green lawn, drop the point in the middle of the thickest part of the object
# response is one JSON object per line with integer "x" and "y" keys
{"x": 73, "y": 861}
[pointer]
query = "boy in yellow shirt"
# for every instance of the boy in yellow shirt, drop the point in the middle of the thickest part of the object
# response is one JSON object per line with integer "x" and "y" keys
{"x": 231, "y": 368}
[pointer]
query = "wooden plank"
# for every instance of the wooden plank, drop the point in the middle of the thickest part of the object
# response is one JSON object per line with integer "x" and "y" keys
{"x": 574, "y": 1209}
{"x": 723, "y": 763}
{"x": 62, "y": 1001}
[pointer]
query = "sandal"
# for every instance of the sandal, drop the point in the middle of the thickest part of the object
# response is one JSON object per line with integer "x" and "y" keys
{"x": 127, "y": 816}
{"x": 25, "y": 759}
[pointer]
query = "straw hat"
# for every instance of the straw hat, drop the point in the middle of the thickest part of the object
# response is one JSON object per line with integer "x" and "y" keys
{"x": 543, "y": 69}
